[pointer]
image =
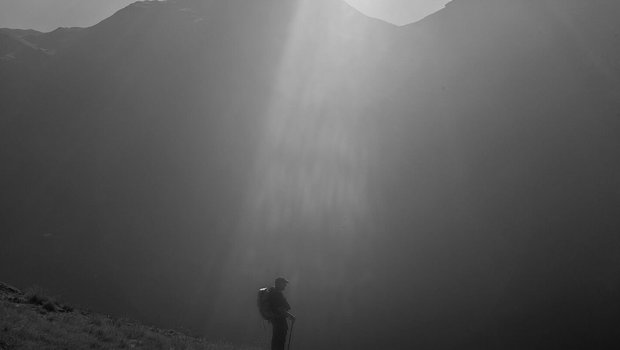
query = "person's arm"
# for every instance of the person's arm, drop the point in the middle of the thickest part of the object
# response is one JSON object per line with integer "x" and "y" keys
{"x": 283, "y": 312}
{"x": 282, "y": 306}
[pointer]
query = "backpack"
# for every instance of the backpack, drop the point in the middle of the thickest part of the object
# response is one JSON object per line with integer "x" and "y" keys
{"x": 263, "y": 302}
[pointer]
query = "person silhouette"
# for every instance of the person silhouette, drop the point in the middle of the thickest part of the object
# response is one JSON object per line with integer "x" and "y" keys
{"x": 280, "y": 311}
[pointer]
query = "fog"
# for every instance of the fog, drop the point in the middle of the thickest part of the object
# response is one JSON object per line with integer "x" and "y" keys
{"x": 447, "y": 184}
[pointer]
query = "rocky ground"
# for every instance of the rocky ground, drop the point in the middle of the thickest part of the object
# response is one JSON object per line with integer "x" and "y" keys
{"x": 31, "y": 320}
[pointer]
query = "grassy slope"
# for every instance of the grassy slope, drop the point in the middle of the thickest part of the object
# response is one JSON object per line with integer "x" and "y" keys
{"x": 33, "y": 321}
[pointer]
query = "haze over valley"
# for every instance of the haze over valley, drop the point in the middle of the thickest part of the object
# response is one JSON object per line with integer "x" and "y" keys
{"x": 452, "y": 183}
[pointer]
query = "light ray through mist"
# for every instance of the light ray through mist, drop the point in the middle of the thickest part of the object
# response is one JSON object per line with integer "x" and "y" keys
{"x": 312, "y": 162}
{"x": 308, "y": 209}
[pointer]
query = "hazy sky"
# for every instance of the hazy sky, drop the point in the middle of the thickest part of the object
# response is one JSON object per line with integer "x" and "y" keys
{"x": 398, "y": 11}
{"x": 47, "y": 15}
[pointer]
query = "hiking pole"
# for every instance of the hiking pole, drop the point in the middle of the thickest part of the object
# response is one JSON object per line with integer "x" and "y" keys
{"x": 291, "y": 335}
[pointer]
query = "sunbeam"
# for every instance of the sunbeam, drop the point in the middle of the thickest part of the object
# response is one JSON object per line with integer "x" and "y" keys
{"x": 308, "y": 212}
{"x": 312, "y": 163}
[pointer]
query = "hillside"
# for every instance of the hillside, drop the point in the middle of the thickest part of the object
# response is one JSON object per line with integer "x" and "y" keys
{"x": 31, "y": 320}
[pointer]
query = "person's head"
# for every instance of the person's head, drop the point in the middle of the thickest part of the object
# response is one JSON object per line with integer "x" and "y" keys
{"x": 281, "y": 283}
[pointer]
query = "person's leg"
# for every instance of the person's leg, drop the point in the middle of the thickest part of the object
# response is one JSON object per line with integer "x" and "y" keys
{"x": 278, "y": 340}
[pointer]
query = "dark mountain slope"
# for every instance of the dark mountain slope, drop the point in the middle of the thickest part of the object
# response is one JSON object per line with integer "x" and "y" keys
{"x": 506, "y": 138}
{"x": 13, "y": 47}
{"x": 51, "y": 42}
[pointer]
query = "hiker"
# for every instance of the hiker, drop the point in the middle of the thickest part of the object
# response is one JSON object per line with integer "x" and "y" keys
{"x": 279, "y": 308}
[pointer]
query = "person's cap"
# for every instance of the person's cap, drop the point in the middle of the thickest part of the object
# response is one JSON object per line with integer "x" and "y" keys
{"x": 281, "y": 279}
